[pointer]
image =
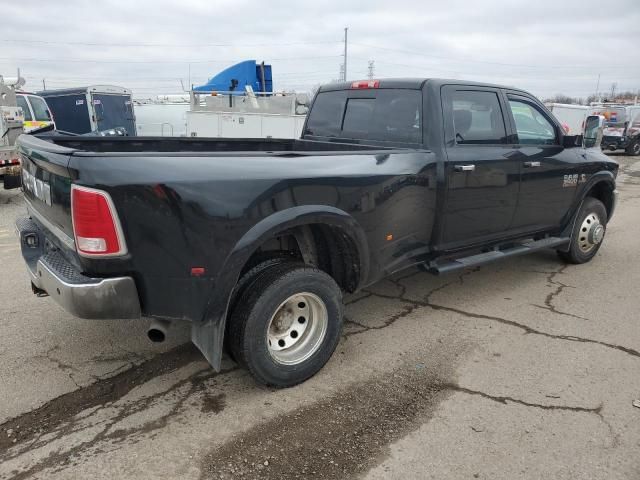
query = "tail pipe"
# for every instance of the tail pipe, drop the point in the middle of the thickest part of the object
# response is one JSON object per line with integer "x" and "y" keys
{"x": 157, "y": 331}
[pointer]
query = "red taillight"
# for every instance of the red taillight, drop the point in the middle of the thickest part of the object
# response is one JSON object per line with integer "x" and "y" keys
{"x": 366, "y": 84}
{"x": 95, "y": 223}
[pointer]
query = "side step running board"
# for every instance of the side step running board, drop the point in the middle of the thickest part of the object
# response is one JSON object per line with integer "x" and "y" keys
{"x": 482, "y": 258}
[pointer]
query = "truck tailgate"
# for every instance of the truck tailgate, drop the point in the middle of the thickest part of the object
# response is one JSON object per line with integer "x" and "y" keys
{"x": 47, "y": 186}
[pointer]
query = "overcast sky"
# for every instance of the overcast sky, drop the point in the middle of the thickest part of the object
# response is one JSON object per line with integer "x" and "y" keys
{"x": 544, "y": 46}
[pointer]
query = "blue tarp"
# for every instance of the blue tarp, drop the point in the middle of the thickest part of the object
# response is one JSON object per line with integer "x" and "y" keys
{"x": 246, "y": 73}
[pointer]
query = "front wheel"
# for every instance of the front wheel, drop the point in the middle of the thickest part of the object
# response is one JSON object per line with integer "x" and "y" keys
{"x": 287, "y": 325}
{"x": 634, "y": 147}
{"x": 588, "y": 232}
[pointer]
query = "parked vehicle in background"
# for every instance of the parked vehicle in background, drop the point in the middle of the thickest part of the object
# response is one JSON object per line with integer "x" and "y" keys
{"x": 255, "y": 240}
{"x": 36, "y": 112}
{"x": 91, "y": 109}
{"x": 570, "y": 115}
{"x": 246, "y": 114}
{"x": 11, "y": 126}
{"x": 162, "y": 116}
{"x": 621, "y": 128}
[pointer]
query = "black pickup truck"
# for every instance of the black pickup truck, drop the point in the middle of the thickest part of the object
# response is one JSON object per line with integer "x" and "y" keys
{"x": 254, "y": 241}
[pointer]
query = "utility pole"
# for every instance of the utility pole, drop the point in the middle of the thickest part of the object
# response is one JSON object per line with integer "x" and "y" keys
{"x": 372, "y": 66}
{"x": 597, "y": 96}
{"x": 614, "y": 85}
{"x": 344, "y": 71}
{"x": 44, "y": 85}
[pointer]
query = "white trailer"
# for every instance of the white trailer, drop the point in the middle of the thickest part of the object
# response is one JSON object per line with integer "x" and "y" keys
{"x": 159, "y": 118}
{"x": 571, "y": 116}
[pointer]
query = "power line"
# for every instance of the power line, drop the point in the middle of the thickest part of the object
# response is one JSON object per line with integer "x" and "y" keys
{"x": 36, "y": 76}
{"x": 165, "y": 45}
{"x": 529, "y": 75}
{"x": 448, "y": 57}
{"x": 79, "y": 60}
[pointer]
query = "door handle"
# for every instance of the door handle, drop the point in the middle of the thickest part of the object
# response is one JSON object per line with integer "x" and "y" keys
{"x": 464, "y": 168}
{"x": 531, "y": 164}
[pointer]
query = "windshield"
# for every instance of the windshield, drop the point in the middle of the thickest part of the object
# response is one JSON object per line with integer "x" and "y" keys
{"x": 22, "y": 103}
{"x": 381, "y": 115}
{"x": 40, "y": 109}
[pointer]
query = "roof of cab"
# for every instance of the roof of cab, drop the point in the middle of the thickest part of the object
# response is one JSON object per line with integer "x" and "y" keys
{"x": 413, "y": 83}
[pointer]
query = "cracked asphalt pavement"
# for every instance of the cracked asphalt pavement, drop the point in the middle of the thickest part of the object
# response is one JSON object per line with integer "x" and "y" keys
{"x": 526, "y": 369}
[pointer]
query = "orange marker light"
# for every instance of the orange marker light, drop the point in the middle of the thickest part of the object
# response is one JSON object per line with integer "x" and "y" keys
{"x": 389, "y": 237}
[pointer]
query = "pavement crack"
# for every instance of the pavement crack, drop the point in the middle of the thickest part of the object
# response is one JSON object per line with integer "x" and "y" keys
{"x": 57, "y": 415}
{"x": 64, "y": 367}
{"x": 533, "y": 331}
{"x": 548, "y": 301}
{"x": 387, "y": 323}
{"x": 413, "y": 304}
{"x": 109, "y": 433}
{"x": 505, "y": 400}
{"x": 356, "y": 300}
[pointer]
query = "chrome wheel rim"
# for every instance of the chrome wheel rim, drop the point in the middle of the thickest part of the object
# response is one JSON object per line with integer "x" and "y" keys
{"x": 591, "y": 233}
{"x": 636, "y": 148}
{"x": 297, "y": 328}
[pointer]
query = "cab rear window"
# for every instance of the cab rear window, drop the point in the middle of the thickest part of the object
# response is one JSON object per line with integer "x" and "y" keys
{"x": 381, "y": 115}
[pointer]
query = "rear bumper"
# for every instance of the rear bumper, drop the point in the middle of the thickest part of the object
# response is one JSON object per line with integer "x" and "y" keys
{"x": 82, "y": 296}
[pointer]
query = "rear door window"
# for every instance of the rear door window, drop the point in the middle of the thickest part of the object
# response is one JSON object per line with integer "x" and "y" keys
{"x": 478, "y": 118}
{"x": 379, "y": 115}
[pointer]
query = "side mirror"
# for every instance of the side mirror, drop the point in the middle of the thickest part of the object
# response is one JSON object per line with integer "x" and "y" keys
{"x": 593, "y": 126}
{"x": 571, "y": 141}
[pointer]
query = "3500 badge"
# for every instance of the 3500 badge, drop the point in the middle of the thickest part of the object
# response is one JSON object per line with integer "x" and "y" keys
{"x": 574, "y": 179}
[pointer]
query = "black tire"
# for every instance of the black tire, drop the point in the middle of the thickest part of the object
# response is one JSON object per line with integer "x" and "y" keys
{"x": 246, "y": 280}
{"x": 257, "y": 266}
{"x": 576, "y": 255}
{"x": 633, "y": 148}
{"x": 249, "y": 322}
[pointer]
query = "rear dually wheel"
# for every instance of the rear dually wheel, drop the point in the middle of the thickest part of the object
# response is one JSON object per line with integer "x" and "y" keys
{"x": 285, "y": 327}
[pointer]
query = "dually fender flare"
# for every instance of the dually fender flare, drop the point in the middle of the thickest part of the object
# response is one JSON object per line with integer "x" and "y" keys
{"x": 599, "y": 177}
{"x": 208, "y": 334}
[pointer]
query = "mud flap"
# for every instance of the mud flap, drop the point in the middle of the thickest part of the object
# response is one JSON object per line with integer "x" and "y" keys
{"x": 568, "y": 230}
{"x": 208, "y": 337}
{"x": 12, "y": 181}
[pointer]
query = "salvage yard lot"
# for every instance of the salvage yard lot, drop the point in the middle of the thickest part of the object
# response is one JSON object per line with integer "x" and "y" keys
{"x": 522, "y": 369}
